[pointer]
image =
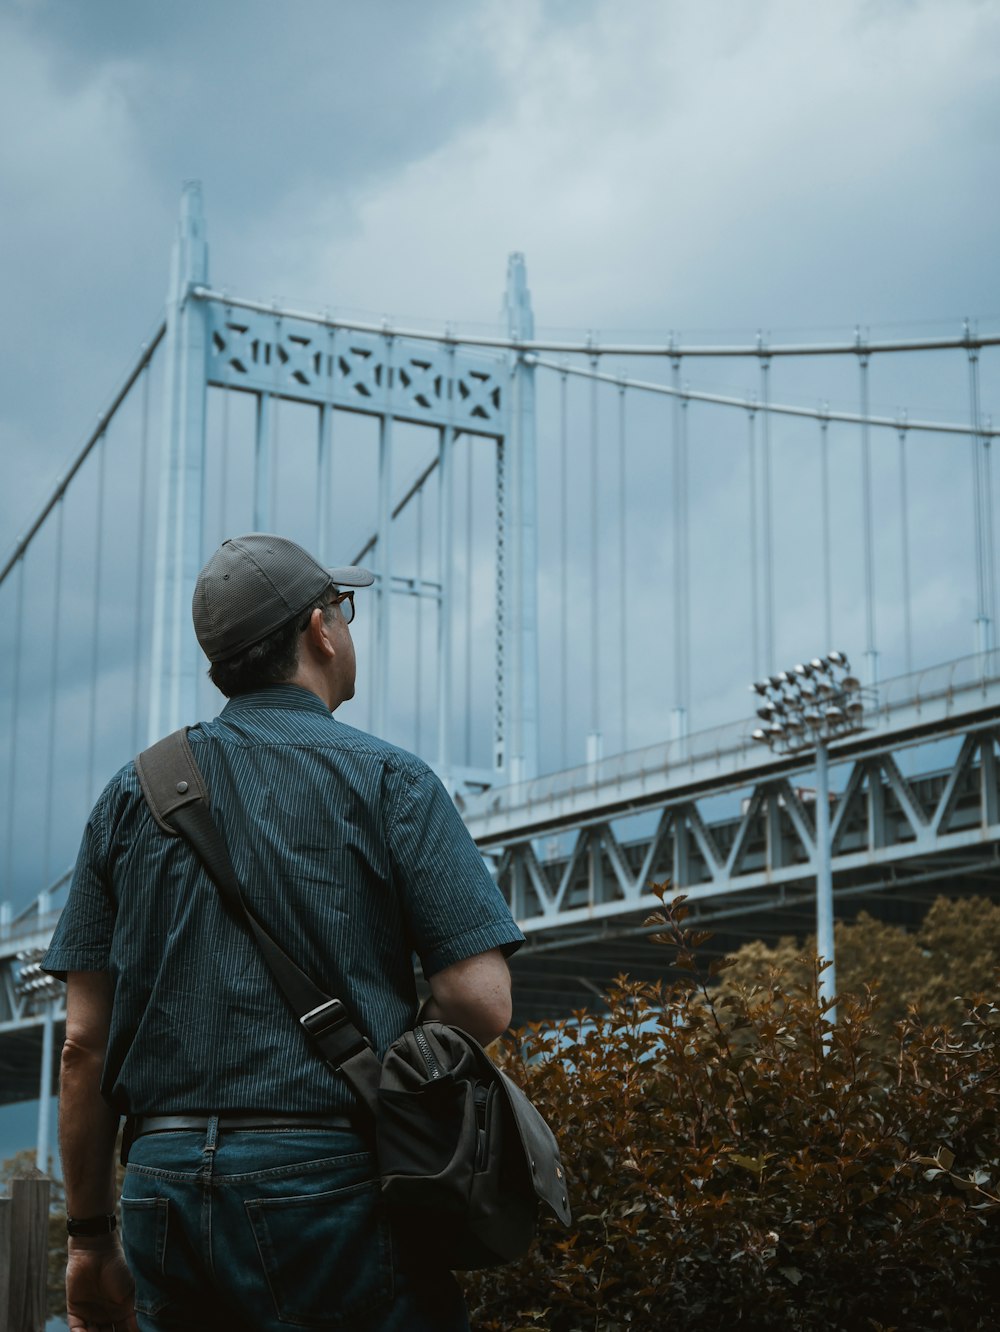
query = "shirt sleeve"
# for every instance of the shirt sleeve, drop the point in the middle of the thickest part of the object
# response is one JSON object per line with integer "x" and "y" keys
{"x": 453, "y": 908}
{"x": 82, "y": 938}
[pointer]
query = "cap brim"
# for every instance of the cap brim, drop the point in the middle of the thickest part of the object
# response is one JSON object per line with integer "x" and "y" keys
{"x": 351, "y": 576}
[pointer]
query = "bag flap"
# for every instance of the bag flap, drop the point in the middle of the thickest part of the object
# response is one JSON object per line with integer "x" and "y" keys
{"x": 540, "y": 1148}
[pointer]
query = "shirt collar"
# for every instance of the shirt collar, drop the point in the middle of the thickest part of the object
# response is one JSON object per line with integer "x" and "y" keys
{"x": 285, "y": 697}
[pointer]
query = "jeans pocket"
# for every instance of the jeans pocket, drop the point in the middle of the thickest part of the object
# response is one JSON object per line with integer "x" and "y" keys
{"x": 144, "y": 1236}
{"x": 327, "y": 1256}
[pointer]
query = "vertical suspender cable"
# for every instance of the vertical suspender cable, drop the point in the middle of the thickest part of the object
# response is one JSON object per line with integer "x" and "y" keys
{"x": 15, "y": 708}
{"x": 824, "y": 462}
{"x": 469, "y": 501}
{"x": 275, "y": 451}
{"x": 681, "y": 618}
{"x": 384, "y": 550}
{"x": 417, "y": 672}
{"x": 768, "y": 548}
{"x": 594, "y": 591}
{"x": 446, "y": 571}
{"x": 677, "y": 717}
{"x": 324, "y": 480}
{"x": 991, "y": 583}
{"x": 140, "y": 563}
{"x": 262, "y": 464}
{"x": 324, "y": 459}
{"x": 622, "y": 566}
{"x": 224, "y": 466}
{"x": 871, "y": 654}
{"x": 754, "y": 556}
{"x": 904, "y": 525}
{"x": 686, "y": 572}
{"x": 57, "y": 630}
{"x": 563, "y": 571}
{"x": 982, "y": 510}
{"x": 500, "y": 757}
{"x": 95, "y": 641}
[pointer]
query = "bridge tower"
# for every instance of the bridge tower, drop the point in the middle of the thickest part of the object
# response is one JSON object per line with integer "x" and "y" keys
{"x": 519, "y": 621}
{"x": 176, "y": 656}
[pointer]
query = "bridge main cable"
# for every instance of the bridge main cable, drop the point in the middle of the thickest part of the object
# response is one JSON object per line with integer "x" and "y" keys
{"x": 665, "y": 350}
{"x": 781, "y": 409}
{"x": 103, "y": 422}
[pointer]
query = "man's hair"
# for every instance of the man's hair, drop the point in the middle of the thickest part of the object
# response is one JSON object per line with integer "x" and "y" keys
{"x": 272, "y": 660}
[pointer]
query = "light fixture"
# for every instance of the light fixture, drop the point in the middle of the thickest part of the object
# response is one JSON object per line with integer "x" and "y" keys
{"x": 834, "y": 714}
{"x": 838, "y": 659}
{"x": 761, "y": 736}
{"x": 851, "y": 684}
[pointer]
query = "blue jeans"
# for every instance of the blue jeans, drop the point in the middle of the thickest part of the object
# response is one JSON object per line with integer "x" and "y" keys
{"x": 270, "y": 1229}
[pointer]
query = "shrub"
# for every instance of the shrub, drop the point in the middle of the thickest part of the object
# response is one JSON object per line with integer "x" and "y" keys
{"x": 735, "y": 1160}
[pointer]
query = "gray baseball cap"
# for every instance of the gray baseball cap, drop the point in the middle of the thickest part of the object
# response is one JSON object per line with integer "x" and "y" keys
{"x": 253, "y": 585}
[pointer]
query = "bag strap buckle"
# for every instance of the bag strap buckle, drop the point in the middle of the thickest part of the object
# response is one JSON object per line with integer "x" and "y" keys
{"x": 330, "y": 1026}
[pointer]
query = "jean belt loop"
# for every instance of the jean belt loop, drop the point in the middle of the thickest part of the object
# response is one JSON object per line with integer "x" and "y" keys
{"x": 211, "y": 1138}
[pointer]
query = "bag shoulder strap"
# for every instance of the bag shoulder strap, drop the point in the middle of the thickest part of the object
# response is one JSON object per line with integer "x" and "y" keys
{"x": 170, "y": 778}
{"x": 175, "y": 790}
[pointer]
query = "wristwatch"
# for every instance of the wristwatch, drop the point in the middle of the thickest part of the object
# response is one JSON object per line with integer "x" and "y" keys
{"x": 91, "y": 1225}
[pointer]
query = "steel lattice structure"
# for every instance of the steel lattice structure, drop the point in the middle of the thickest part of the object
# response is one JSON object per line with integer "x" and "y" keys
{"x": 574, "y": 850}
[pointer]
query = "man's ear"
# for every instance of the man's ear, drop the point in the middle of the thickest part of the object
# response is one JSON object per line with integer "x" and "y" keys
{"x": 318, "y": 634}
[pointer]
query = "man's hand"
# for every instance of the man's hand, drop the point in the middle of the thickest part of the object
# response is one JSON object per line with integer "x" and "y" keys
{"x": 99, "y": 1287}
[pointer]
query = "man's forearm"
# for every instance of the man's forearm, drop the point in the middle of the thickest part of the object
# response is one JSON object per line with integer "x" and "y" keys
{"x": 87, "y": 1131}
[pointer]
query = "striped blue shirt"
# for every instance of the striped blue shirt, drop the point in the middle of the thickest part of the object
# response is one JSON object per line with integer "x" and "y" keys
{"x": 351, "y": 854}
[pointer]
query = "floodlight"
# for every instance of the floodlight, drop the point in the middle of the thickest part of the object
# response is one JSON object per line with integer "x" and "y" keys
{"x": 838, "y": 658}
{"x": 851, "y": 684}
{"x": 774, "y": 681}
{"x": 818, "y": 664}
{"x": 855, "y": 708}
{"x": 834, "y": 715}
{"x": 776, "y": 730}
{"x": 761, "y": 736}
{"x": 812, "y": 717}
{"x": 803, "y": 668}
{"x": 759, "y": 687}
{"x": 767, "y": 711}
{"x": 795, "y": 725}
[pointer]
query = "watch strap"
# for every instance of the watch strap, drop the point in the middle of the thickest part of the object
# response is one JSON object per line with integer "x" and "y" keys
{"x": 86, "y": 1226}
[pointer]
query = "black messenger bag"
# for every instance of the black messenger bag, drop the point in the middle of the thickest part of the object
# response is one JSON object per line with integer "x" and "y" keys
{"x": 466, "y": 1161}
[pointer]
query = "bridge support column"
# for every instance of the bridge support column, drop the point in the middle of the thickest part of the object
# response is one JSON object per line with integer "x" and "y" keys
{"x": 521, "y": 582}
{"x": 176, "y": 656}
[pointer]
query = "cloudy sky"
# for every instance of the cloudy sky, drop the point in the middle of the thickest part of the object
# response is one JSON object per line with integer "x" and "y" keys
{"x": 713, "y": 168}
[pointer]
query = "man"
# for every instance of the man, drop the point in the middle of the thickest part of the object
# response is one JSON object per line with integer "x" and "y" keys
{"x": 260, "y": 1208}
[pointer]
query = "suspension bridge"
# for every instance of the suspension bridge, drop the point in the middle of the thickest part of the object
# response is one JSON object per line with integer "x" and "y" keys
{"x": 579, "y": 570}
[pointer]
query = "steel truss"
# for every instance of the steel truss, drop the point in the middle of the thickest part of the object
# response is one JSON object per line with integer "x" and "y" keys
{"x": 579, "y": 878}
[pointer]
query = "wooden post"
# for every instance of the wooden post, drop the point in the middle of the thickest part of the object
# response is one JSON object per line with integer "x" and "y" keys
{"x": 6, "y": 1207}
{"x": 27, "y": 1252}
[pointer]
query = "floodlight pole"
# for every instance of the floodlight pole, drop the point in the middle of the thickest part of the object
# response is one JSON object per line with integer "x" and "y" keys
{"x": 799, "y": 716}
{"x": 824, "y": 881}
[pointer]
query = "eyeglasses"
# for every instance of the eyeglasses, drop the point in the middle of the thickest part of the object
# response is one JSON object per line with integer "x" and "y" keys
{"x": 345, "y": 600}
